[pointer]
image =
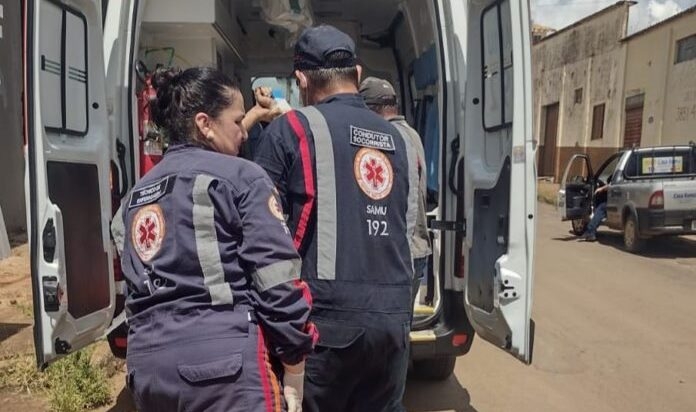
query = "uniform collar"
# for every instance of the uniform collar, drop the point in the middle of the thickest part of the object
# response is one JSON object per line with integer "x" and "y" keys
{"x": 350, "y": 99}
{"x": 183, "y": 147}
{"x": 397, "y": 118}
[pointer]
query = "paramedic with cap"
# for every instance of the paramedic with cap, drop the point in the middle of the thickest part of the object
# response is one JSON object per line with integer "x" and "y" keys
{"x": 380, "y": 96}
{"x": 342, "y": 173}
{"x": 212, "y": 273}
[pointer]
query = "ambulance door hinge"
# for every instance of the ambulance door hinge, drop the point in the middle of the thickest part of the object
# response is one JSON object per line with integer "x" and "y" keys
{"x": 61, "y": 347}
{"x": 449, "y": 226}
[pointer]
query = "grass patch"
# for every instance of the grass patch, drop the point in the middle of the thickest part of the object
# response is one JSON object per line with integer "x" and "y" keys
{"x": 75, "y": 383}
{"x": 19, "y": 373}
{"x": 547, "y": 192}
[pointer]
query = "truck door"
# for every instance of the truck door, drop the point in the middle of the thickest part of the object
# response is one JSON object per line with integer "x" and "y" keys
{"x": 68, "y": 154}
{"x": 575, "y": 194}
{"x": 486, "y": 59}
{"x": 607, "y": 174}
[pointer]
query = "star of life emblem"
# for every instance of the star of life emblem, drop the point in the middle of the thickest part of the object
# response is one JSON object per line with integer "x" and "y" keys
{"x": 147, "y": 231}
{"x": 275, "y": 208}
{"x": 373, "y": 172}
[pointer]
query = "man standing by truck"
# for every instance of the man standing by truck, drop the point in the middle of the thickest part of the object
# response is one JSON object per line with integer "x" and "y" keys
{"x": 599, "y": 214}
{"x": 343, "y": 177}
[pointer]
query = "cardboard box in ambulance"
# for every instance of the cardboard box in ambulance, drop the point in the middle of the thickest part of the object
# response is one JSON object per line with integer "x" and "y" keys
{"x": 462, "y": 71}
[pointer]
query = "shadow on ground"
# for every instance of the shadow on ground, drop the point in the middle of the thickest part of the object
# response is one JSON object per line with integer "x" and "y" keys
{"x": 426, "y": 396}
{"x": 666, "y": 247}
{"x": 570, "y": 237}
{"x": 9, "y": 329}
{"x": 17, "y": 238}
{"x": 124, "y": 402}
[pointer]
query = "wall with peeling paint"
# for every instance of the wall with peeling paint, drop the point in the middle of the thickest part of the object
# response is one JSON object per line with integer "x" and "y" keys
{"x": 588, "y": 56}
{"x": 669, "y": 88}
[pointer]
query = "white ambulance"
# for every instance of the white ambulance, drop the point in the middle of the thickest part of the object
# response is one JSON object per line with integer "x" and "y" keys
{"x": 462, "y": 71}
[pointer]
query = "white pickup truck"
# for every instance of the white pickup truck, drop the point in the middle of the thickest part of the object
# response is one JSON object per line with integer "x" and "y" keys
{"x": 652, "y": 192}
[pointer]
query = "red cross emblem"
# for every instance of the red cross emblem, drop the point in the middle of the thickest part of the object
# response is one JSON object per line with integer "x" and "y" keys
{"x": 148, "y": 231}
{"x": 373, "y": 173}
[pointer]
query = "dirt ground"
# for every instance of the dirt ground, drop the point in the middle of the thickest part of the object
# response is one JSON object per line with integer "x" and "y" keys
{"x": 16, "y": 322}
{"x": 16, "y": 333}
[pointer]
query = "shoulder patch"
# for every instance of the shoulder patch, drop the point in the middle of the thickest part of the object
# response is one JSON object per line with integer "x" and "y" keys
{"x": 147, "y": 231}
{"x": 275, "y": 208}
{"x": 369, "y": 138}
{"x": 152, "y": 192}
{"x": 373, "y": 172}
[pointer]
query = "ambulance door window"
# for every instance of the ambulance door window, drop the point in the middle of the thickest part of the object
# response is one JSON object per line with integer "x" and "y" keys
{"x": 496, "y": 73}
{"x": 64, "y": 71}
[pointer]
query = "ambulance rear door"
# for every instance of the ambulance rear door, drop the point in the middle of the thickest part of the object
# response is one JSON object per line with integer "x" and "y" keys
{"x": 492, "y": 195}
{"x": 68, "y": 154}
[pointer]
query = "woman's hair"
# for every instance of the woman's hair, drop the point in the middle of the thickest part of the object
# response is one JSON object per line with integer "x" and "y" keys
{"x": 183, "y": 94}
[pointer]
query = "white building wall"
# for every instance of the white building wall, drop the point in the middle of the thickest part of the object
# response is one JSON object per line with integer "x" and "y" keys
{"x": 669, "y": 88}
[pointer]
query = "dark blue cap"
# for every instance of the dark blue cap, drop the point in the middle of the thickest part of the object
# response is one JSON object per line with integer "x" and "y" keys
{"x": 316, "y": 44}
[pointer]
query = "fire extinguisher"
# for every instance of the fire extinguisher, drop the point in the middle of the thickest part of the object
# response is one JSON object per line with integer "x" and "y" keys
{"x": 151, "y": 142}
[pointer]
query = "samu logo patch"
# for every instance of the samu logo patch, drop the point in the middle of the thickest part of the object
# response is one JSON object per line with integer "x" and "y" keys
{"x": 147, "y": 231}
{"x": 373, "y": 172}
{"x": 274, "y": 208}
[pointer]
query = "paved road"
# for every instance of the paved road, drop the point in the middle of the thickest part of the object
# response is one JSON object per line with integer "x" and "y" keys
{"x": 615, "y": 332}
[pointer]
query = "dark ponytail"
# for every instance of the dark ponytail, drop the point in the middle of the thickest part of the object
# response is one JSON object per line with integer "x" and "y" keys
{"x": 183, "y": 94}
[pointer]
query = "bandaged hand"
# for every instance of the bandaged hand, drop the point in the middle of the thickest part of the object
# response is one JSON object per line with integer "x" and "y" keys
{"x": 293, "y": 386}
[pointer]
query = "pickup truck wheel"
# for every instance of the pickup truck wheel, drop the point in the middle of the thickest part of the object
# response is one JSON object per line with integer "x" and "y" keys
{"x": 631, "y": 237}
{"x": 579, "y": 226}
{"x": 434, "y": 369}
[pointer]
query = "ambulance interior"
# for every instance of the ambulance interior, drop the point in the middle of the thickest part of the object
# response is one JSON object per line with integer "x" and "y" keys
{"x": 252, "y": 42}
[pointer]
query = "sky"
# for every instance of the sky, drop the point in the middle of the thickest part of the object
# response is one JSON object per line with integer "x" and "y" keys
{"x": 560, "y": 13}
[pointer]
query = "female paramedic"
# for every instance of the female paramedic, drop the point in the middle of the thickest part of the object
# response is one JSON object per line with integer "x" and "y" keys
{"x": 214, "y": 292}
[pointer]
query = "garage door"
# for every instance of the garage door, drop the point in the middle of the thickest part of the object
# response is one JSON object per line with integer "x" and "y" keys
{"x": 633, "y": 127}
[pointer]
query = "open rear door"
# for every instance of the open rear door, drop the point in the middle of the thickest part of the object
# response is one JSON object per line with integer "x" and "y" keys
{"x": 487, "y": 57}
{"x": 67, "y": 175}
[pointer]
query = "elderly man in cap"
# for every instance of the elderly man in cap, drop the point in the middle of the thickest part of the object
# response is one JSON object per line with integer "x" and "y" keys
{"x": 380, "y": 97}
{"x": 343, "y": 175}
